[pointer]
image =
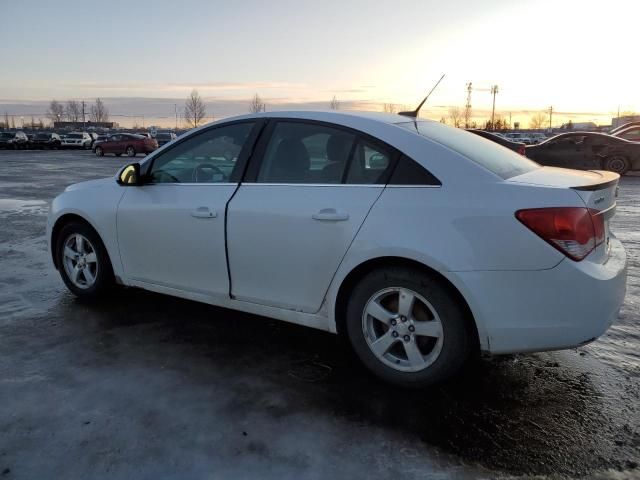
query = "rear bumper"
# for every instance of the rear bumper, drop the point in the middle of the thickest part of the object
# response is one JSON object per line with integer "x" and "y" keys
{"x": 563, "y": 307}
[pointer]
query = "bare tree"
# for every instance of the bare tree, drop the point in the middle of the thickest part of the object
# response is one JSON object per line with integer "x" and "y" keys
{"x": 257, "y": 105}
{"x": 194, "y": 109}
{"x": 6, "y": 120}
{"x": 99, "y": 112}
{"x": 56, "y": 111}
{"x": 539, "y": 120}
{"x": 73, "y": 111}
{"x": 389, "y": 108}
{"x": 455, "y": 116}
{"x": 443, "y": 120}
{"x": 334, "y": 104}
{"x": 499, "y": 123}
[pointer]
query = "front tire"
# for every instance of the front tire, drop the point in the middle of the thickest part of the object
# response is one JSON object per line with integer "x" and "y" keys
{"x": 99, "y": 152}
{"x": 407, "y": 327}
{"x": 83, "y": 261}
{"x": 130, "y": 151}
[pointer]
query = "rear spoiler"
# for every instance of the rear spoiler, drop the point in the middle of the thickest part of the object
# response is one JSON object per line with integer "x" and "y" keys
{"x": 609, "y": 179}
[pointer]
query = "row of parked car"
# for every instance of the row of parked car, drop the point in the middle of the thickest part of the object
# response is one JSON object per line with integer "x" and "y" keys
{"x": 116, "y": 143}
{"x": 617, "y": 151}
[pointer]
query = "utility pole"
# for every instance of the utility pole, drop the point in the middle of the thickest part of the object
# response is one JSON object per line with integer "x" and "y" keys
{"x": 175, "y": 109}
{"x": 494, "y": 91}
{"x": 550, "y": 116}
{"x": 510, "y": 121}
{"x": 467, "y": 107}
{"x": 83, "y": 121}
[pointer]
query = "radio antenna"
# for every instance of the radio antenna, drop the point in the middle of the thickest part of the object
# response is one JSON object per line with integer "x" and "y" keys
{"x": 414, "y": 113}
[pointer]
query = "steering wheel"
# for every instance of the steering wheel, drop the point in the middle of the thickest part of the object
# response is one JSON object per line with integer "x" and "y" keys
{"x": 199, "y": 173}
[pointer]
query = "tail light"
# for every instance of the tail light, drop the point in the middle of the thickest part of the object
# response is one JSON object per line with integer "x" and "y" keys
{"x": 522, "y": 150}
{"x": 575, "y": 231}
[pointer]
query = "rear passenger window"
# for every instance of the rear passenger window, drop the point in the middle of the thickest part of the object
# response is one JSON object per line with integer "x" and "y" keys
{"x": 370, "y": 164}
{"x": 305, "y": 153}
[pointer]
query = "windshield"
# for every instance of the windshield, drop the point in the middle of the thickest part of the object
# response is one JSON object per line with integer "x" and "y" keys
{"x": 6, "y": 135}
{"x": 163, "y": 136}
{"x": 74, "y": 135}
{"x": 43, "y": 135}
{"x": 497, "y": 159}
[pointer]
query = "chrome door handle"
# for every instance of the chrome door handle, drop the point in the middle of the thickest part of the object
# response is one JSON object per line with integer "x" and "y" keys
{"x": 203, "y": 212}
{"x": 331, "y": 215}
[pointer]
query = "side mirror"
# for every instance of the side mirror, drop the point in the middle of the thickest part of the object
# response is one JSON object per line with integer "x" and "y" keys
{"x": 130, "y": 175}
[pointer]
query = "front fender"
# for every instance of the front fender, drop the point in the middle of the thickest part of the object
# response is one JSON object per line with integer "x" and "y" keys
{"x": 98, "y": 207}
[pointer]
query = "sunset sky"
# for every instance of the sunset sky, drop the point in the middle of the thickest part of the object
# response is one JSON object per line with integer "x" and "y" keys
{"x": 143, "y": 58}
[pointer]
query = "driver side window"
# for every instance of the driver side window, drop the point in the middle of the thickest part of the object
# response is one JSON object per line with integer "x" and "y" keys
{"x": 207, "y": 157}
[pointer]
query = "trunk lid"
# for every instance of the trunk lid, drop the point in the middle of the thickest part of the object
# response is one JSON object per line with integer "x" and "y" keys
{"x": 598, "y": 190}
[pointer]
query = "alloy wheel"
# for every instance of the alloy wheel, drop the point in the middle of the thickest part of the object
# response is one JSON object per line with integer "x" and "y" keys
{"x": 402, "y": 329}
{"x": 80, "y": 261}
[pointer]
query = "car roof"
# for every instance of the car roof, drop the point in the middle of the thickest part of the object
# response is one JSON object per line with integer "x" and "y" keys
{"x": 588, "y": 134}
{"x": 626, "y": 129}
{"x": 331, "y": 116}
{"x": 624, "y": 126}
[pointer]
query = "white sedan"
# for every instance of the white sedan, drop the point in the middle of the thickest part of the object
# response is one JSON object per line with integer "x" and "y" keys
{"x": 421, "y": 243}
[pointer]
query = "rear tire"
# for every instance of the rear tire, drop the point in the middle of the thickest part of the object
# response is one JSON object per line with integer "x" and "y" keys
{"x": 618, "y": 164}
{"x": 99, "y": 152}
{"x": 422, "y": 338}
{"x": 83, "y": 261}
{"x": 130, "y": 151}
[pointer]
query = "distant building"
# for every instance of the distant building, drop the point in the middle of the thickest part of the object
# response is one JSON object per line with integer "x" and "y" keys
{"x": 83, "y": 125}
{"x": 617, "y": 121}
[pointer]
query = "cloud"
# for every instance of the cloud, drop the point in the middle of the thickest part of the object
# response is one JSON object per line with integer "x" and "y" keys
{"x": 185, "y": 86}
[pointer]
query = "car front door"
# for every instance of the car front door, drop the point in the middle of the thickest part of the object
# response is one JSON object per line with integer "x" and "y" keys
{"x": 111, "y": 145}
{"x": 171, "y": 230}
{"x": 291, "y": 222}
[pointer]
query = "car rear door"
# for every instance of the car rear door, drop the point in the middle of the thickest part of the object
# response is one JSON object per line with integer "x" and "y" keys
{"x": 291, "y": 222}
{"x": 171, "y": 230}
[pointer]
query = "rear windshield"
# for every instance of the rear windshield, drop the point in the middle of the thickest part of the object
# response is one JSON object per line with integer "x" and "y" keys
{"x": 6, "y": 135}
{"x": 163, "y": 135}
{"x": 43, "y": 135}
{"x": 497, "y": 159}
{"x": 74, "y": 135}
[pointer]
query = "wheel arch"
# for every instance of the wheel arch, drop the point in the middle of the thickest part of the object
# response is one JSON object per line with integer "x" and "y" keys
{"x": 59, "y": 224}
{"x": 367, "y": 266}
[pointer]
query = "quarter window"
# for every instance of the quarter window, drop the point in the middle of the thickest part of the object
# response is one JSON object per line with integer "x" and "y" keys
{"x": 208, "y": 157}
{"x": 369, "y": 165}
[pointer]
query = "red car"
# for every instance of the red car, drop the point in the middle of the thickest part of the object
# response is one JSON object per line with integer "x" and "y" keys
{"x": 128, "y": 143}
